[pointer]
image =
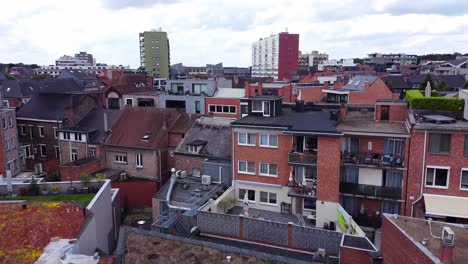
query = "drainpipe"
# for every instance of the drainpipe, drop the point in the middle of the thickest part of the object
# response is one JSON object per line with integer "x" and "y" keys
{"x": 169, "y": 192}
{"x": 423, "y": 162}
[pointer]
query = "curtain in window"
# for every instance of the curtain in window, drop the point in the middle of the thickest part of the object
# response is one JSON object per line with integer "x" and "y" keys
{"x": 393, "y": 179}
{"x": 350, "y": 174}
{"x": 351, "y": 144}
{"x": 394, "y": 147}
{"x": 390, "y": 207}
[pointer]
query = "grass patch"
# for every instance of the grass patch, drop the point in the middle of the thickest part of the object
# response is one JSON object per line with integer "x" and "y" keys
{"x": 81, "y": 199}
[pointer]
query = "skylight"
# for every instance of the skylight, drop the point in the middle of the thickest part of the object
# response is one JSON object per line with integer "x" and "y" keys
{"x": 146, "y": 136}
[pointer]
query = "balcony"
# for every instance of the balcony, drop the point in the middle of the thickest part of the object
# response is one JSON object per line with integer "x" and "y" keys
{"x": 307, "y": 191}
{"x": 373, "y": 221}
{"x": 373, "y": 159}
{"x": 299, "y": 158}
{"x": 370, "y": 190}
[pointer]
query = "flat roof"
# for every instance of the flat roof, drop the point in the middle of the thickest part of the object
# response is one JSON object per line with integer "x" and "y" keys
{"x": 193, "y": 195}
{"x": 230, "y": 93}
{"x": 417, "y": 229}
{"x": 421, "y": 124}
{"x": 363, "y": 122}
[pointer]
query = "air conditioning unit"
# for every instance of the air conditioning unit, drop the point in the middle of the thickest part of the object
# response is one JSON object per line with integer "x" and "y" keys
{"x": 321, "y": 252}
{"x": 448, "y": 236}
{"x": 183, "y": 174}
{"x": 123, "y": 176}
{"x": 38, "y": 168}
{"x": 206, "y": 179}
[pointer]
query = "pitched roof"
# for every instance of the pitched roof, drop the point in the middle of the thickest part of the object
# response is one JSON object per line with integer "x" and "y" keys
{"x": 82, "y": 78}
{"x": 309, "y": 121}
{"x": 67, "y": 85}
{"x": 135, "y": 122}
{"x": 358, "y": 81}
{"x": 457, "y": 62}
{"x": 213, "y": 133}
{"x": 19, "y": 88}
{"x": 396, "y": 82}
{"x": 48, "y": 106}
{"x": 452, "y": 81}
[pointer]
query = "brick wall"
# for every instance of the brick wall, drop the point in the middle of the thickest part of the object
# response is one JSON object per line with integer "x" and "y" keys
{"x": 150, "y": 168}
{"x": 258, "y": 154}
{"x": 396, "y": 248}
{"x": 398, "y": 112}
{"x": 223, "y": 101}
{"x": 328, "y": 169}
{"x": 188, "y": 163}
{"x": 136, "y": 193}
{"x": 352, "y": 256}
{"x": 378, "y": 90}
{"x": 311, "y": 94}
{"x": 72, "y": 172}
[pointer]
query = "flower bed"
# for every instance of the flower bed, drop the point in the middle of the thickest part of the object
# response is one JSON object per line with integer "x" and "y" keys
{"x": 25, "y": 232}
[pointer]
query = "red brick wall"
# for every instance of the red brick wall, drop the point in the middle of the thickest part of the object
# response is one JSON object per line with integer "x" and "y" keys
{"x": 328, "y": 169}
{"x": 223, "y": 101}
{"x": 174, "y": 139}
{"x": 288, "y": 55}
{"x": 397, "y": 112}
{"x": 311, "y": 94}
{"x": 70, "y": 172}
{"x": 136, "y": 193}
{"x": 258, "y": 154}
{"x": 187, "y": 163}
{"x": 287, "y": 93}
{"x": 396, "y": 248}
{"x": 377, "y": 144}
{"x": 378, "y": 90}
{"x": 353, "y": 256}
{"x": 455, "y": 160}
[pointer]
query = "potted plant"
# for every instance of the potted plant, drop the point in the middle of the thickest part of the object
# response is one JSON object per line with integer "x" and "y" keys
{"x": 223, "y": 205}
{"x": 55, "y": 189}
{"x": 85, "y": 178}
{"x": 44, "y": 189}
{"x": 231, "y": 202}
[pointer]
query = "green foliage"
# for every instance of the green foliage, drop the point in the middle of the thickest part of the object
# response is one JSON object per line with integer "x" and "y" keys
{"x": 417, "y": 100}
{"x": 85, "y": 178}
{"x": 40, "y": 76}
{"x": 465, "y": 85}
{"x": 81, "y": 199}
{"x": 227, "y": 203}
{"x": 55, "y": 188}
{"x": 9, "y": 76}
{"x": 428, "y": 78}
{"x": 358, "y": 60}
{"x": 443, "y": 86}
{"x": 100, "y": 176}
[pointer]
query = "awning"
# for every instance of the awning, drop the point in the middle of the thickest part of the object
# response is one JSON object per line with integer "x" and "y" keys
{"x": 443, "y": 205}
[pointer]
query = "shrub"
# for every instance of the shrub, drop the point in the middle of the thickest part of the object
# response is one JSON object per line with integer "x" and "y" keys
{"x": 85, "y": 178}
{"x": 417, "y": 100}
{"x": 55, "y": 188}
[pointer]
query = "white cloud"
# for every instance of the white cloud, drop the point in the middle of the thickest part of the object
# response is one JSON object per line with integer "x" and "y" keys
{"x": 211, "y": 31}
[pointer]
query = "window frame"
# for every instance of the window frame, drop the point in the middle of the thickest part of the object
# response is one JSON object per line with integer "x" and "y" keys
{"x": 139, "y": 160}
{"x": 22, "y": 130}
{"x": 56, "y": 133}
{"x": 439, "y": 152}
{"x": 434, "y": 179}
{"x": 461, "y": 179}
{"x": 268, "y": 174}
{"x": 10, "y": 121}
{"x": 246, "y": 139}
{"x": 41, "y": 128}
{"x": 268, "y": 198}
{"x": 247, "y": 190}
{"x": 246, "y": 167}
{"x": 465, "y": 146}
{"x": 268, "y": 141}
{"x": 73, "y": 154}
{"x": 120, "y": 158}
{"x": 127, "y": 100}
{"x": 41, "y": 153}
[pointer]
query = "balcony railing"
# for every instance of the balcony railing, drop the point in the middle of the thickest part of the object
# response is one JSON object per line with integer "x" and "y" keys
{"x": 302, "y": 158}
{"x": 368, "y": 221}
{"x": 303, "y": 191}
{"x": 370, "y": 190}
{"x": 373, "y": 159}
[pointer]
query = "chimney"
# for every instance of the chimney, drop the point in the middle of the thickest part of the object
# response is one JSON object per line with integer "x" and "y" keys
{"x": 343, "y": 111}
{"x": 106, "y": 127}
{"x": 447, "y": 245}
{"x": 366, "y": 85}
{"x": 247, "y": 89}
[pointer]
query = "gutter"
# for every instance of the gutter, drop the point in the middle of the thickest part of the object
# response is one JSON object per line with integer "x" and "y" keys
{"x": 423, "y": 162}
{"x": 169, "y": 192}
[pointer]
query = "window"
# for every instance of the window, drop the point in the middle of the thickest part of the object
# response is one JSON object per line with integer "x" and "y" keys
{"x": 6, "y": 104}
{"x": 31, "y": 135}
{"x": 437, "y": 177}
{"x": 199, "y": 88}
{"x": 92, "y": 152}
{"x": 246, "y": 139}
{"x": 74, "y": 154}
{"x": 197, "y": 107}
{"x": 55, "y": 132}
{"x": 250, "y": 195}
{"x": 7, "y": 144}
{"x": 77, "y": 136}
{"x": 268, "y": 169}
{"x": 66, "y": 135}
{"x": 247, "y": 167}
{"x": 42, "y": 150}
{"x": 177, "y": 88}
{"x": 10, "y": 121}
{"x": 113, "y": 103}
{"x": 309, "y": 204}
{"x": 269, "y": 140}
{"x": 266, "y": 108}
{"x": 257, "y": 106}
{"x": 41, "y": 131}
{"x": 226, "y": 109}
{"x": 121, "y": 159}
{"x": 57, "y": 152}
{"x": 464, "y": 179}
{"x": 439, "y": 143}
{"x": 27, "y": 151}
{"x": 129, "y": 101}
{"x": 4, "y": 122}
{"x": 139, "y": 160}
{"x": 309, "y": 173}
{"x": 268, "y": 198}
{"x": 23, "y": 130}
{"x": 13, "y": 145}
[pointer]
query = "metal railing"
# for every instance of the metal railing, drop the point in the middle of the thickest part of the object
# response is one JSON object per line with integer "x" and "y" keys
{"x": 373, "y": 158}
{"x": 370, "y": 190}
{"x": 302, "y": 158}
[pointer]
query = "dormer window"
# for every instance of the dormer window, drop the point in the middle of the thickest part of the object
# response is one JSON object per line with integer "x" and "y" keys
{"x": 261, "y": 107}
{"x": 257, "y": 106}
{"x": 195, "y": 146}
{"x": 146, "y": 136}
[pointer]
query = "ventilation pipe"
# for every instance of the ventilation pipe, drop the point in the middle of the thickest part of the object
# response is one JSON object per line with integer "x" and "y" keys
{"x": 169, "y": 192}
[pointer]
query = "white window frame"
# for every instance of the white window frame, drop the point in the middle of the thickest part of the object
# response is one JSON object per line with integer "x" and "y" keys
{"x": 23, "y": 130}
{"x": 92, "y": 152}
{"x": 31, "y": 154}
{"x": 4, "y": 121}
{"x": 40, "y": 150}
{"x": 246, "y": 167}
{"x": 268, "y": 174}
{"x": 66, "y": 136}
{"x": 247, "y": 191}
{"x": 41, "y": 128}
{"x": 56, "y": 132}
{"x": 12, "y": 145}
{"x": 120, "y": 158}
{"x": 127, "y": 98}
{"x": 10, "y": 121}
{"x": 246, "y": 139}
{"x": 268, "y": 198}
{"x": 222, "y": 109}
{"x": 139, "y": 160}
{"x": 31, "y": 129}
{"x": 73, "y": 154}
{"x": 434, "y": 186}
{"x": 461, "y": 178}
{"x": 268, "y": 141}
{"x": 7, "y": 105}
{"x": 7, "y": 144}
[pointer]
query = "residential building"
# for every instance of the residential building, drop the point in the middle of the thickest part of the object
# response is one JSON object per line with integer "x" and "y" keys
{"x": 16, "y": 93}
{"x": 10, "y": 159}
{"x": 84, "y": 56}
{"x": 276, "y": 56}
{"x": 312, "y": 59}
{"x": 142, "y": 99}
{"x": 143, "y": 151}
{"x": 451, "y": 82}
{"x": 188, "y": 95}
{"x": 230, "y": 72}
{"x": 397, "y": 84}
{"x": 81, "y": 146}
{"x": 285, "y": 164}
{"x": 225, "y": 103}
{"x": 374, "y": 162}
{"x": 155, "y": 56}
{"x": 40, "y": 119}
{"x": 391, "y": 58}
{"x": 415, "y": 241}
{"x": 450, "y": 67}
{"x": 283, "y": 89}
{"x": 333, "y": 65}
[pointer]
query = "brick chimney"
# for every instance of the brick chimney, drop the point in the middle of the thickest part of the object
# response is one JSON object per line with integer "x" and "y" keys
{"x": 366, "y": 85}
{"x": 446, "y": 253}
{"x": 247, "y": 89}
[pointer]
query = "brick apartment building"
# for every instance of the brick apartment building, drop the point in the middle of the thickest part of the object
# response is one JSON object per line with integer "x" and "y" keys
{"x": 282, "y": 89}
{"x": 284, "y": 163}
{"x": 10, "y": 159}
{"x": 225, "y": 103}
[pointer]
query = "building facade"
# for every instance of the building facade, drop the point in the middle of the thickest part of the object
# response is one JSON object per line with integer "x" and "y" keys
{"x": 276, "y": 56}
{"x": 155, "y": 53}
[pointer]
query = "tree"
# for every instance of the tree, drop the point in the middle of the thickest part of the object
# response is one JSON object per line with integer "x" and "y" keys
{"x": 358, "y": 61}
{"x": 443, "y": 86}
{"x": 9, "y": 76}
{"x": 40, "y": 76}
{"x": 422, "y": 85}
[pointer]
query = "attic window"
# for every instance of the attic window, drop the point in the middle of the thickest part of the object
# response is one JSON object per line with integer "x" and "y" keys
{"x": 146, "y": 136}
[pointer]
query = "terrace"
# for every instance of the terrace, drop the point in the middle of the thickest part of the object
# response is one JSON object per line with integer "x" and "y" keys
{"x": 370, "y": 190}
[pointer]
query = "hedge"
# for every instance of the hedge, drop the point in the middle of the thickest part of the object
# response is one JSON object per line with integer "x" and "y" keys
{"x": 417, "y": 100}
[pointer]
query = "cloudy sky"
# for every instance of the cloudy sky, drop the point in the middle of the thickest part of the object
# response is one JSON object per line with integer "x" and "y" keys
{"x": 211, "y": 31}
